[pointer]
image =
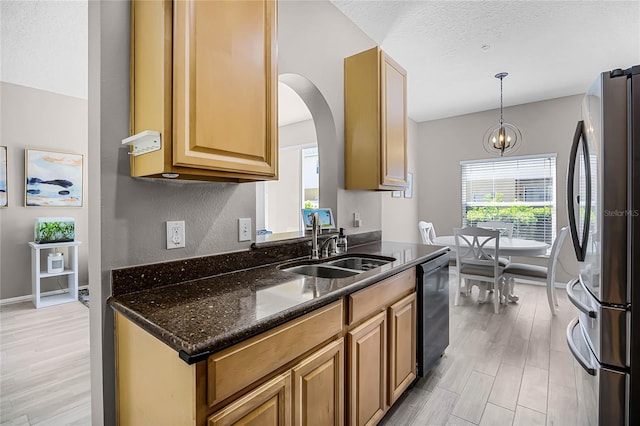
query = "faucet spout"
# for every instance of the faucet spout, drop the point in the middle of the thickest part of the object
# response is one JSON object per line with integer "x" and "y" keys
{"x": 328, "y": 247}
{"x": 315, "y": 223}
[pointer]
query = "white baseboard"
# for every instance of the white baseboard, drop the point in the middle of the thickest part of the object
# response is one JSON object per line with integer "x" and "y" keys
{"x": 29, "y": 297}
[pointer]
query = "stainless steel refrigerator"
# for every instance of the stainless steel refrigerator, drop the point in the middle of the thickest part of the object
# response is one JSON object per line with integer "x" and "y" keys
{"x": 603, "y": 198}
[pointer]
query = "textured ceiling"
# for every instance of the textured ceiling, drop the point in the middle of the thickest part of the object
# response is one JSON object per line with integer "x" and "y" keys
{"x": 549, "y": 48}
{"x": 44, "y": 45}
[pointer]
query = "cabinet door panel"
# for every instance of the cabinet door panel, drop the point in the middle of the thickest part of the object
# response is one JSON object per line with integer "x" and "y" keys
{"x": 225, "y": 85}
{"x": 394, "y": 124}
{"x": 402, "y": 346}
{"x": 318, "y": 387}
{"x": 368, "y": 371}
{"x": 268, "y": 405}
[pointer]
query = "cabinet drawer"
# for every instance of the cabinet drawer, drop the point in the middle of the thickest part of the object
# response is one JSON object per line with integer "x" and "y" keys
{"x": 378, "y": 296}
{"x": 232, "y": 369}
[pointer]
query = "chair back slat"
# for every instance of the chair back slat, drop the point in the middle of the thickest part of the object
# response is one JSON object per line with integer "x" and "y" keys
{"x": 505, "y": 228}
{"x": 427, "y": 232}
{"x": 471, "y": 246}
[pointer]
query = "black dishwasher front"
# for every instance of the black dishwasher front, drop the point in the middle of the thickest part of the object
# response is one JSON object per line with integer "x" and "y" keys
{"x": 433, "y": 312}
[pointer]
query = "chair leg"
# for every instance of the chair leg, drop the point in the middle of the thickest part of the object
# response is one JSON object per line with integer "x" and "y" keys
{"x": 551, "y": 297}
{"x": 496, "y": 296}
{"x": 482, "y": 291}
{"x": 511, "y": 296}
{"x": 456, "y": 298}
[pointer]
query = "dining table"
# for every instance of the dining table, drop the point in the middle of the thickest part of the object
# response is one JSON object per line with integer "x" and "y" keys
{"x": 507, "y": 246}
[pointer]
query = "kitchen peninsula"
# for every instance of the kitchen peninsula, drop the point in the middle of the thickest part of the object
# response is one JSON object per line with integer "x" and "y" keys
{"x": 229, "y": 338}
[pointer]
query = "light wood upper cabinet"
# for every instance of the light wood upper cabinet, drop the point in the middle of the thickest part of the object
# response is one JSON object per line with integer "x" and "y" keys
{"x": 204, "y": 74}
{"x": 375, "y": 122}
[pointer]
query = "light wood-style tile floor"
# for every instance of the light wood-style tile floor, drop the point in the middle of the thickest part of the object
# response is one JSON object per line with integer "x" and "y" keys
{"x": 44, "y": 365}
{"x": 512, "y": 368}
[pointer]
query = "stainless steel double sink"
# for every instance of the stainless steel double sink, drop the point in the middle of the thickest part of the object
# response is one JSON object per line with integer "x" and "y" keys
{"x": 339, "y": 267}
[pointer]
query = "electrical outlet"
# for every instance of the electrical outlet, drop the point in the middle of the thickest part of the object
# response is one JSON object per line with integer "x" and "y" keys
{"x": 175, "y": 234}
{"x": 356, "y": 220}
{"x": 244, "y": 229}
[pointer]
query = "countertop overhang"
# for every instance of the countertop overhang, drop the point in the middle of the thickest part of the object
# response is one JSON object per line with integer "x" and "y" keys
{"x": 200, "y": 317}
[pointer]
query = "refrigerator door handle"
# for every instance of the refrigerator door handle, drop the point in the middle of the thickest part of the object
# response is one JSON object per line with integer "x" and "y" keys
{"x": 581, "y": 250}
{"x": 576, "y": 301}
{"x": 574, "y": 349}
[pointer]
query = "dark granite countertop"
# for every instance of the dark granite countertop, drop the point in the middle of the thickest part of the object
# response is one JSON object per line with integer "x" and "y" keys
{"x": 203, "y": 316}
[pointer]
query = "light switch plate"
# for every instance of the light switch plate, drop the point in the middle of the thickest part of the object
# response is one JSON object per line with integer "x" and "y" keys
{"x": 244, "y": 229}
{"x": 356, "y": 220}
{"x": 175, "y": 234}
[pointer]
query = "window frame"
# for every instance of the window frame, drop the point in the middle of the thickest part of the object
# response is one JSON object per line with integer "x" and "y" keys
{"x": 519, "y": 186}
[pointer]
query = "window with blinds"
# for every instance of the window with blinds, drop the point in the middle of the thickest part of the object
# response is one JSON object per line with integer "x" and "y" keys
{"x": 520, "y": 190}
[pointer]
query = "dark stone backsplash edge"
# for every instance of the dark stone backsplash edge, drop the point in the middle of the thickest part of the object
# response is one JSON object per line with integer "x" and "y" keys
{"x": 143, "y": 277}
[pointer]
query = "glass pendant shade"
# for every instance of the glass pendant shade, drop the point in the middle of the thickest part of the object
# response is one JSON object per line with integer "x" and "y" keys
{"x": 503, "y": 138}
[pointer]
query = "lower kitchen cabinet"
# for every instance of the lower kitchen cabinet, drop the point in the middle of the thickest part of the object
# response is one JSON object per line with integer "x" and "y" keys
{"x": 337, "y": 364}
{"x": 402, "y": 346}
{"x": 381, "y": 346}
{"x": 318, "y": 383}
{"x": 316, "y": 399}
{"x": 268, "y": 405}
{"x": 368, "y": 371}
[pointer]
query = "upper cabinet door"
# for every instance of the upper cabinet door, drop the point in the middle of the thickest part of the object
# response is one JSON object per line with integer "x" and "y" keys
{"x": 225, "y": 86}
{"x": 204, "y": 75}
{"x": 394, "y": 124}
{"x": 375, "y": 122}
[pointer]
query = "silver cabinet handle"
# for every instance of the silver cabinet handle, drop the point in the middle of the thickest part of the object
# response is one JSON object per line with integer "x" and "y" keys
{"x": 576, "y": 302}
{"x": 574, "y": 349}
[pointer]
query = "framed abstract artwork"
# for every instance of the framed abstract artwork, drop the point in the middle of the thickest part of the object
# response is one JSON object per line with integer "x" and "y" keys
{"x": 53, "y": 179}
{"x": 4, "y": 196}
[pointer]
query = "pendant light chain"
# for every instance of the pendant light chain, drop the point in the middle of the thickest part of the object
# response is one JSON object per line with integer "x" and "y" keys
{"x": 501, "y": 120}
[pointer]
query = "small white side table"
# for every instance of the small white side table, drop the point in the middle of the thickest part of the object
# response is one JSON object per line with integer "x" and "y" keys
{"x": 70, "y": 270}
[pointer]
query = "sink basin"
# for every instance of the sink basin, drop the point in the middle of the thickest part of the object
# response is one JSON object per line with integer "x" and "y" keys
{"x": 339, "y": 268}
{"x": 321, "y": 271}
{"x": 358, "y": 263}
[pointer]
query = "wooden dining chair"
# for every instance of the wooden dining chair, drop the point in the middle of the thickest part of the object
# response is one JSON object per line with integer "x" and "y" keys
{"x": 477, "y": 263}
{"x": 536, "y": 273}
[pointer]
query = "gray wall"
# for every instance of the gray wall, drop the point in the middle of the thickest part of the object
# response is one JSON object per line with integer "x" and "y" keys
{"x": 36, "y": 119}
{"x": 314, "y": 38}
{"x": 547, "y": 127}
{"x": 400, "y": 215}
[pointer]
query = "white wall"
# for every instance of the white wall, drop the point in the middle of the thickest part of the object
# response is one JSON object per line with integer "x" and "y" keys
{"x": 547, "y": 127}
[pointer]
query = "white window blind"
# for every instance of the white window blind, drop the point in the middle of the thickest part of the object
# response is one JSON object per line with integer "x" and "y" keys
{"x": 520, "y": 190}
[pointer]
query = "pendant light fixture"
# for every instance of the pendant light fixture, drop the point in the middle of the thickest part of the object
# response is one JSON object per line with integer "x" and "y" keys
{"x": 503, "y": 138}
